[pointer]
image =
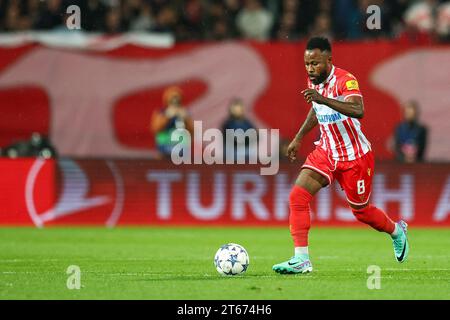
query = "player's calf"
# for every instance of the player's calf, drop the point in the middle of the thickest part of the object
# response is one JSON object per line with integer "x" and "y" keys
{"x": 299, "y": 217}
{"x": 375, "y": 218}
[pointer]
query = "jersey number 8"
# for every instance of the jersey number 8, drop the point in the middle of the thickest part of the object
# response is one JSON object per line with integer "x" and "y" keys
{"x": 361, "y": 186}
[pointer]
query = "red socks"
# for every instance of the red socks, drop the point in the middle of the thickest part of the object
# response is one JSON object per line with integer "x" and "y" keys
{"x": 300, "y": 220}
{"x": 299, "y": 217}
{"x": 375, "y": 218}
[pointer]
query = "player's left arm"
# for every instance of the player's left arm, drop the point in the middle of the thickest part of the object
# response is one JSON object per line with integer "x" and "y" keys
{"x": 352, "y": 106}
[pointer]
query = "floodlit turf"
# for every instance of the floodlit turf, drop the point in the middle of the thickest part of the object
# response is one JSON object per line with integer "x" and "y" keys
{"x": 177, "y": 263}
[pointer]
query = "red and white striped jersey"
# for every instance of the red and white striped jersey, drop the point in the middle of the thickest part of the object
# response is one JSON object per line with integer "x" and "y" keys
{"x": 341, "y": 136}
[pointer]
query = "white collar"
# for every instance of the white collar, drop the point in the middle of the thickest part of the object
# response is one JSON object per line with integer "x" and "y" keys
{"x": 329, "y": 77}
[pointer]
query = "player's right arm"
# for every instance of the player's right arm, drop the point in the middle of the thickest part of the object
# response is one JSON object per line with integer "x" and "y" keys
{"x": 308, "y": 125}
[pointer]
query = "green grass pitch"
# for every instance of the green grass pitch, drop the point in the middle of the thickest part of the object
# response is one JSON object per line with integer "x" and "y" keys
{"x": 177, "y": 263}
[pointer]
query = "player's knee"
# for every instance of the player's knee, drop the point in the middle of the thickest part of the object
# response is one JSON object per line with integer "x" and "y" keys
{"x": 299, "y": 198}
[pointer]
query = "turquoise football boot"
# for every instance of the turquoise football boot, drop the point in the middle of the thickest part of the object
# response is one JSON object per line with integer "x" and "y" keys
{"x": 300, "y": 264}
{"x": 400, "y": 243}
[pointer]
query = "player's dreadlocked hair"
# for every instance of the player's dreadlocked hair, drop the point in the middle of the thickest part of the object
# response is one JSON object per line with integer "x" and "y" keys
{"x": 318, "y": 43}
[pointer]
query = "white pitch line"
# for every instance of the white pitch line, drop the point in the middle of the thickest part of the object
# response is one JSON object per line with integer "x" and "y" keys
{"x": 416, "y": 269}
{"x": 391, "y": 269}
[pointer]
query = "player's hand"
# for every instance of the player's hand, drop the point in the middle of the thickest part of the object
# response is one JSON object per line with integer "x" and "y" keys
{"x": 171, "y": 111}
{"x": 182, "y": 113}
{"x": 312, "y": 95}
{"x": 292, "y": 149}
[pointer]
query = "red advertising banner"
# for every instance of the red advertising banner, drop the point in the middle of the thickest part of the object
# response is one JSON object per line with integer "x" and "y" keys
{"x": 98, "y": 103}
{"x": 134, "y": 192}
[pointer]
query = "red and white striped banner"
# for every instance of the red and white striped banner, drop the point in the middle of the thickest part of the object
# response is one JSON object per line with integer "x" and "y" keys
{"x": 98, "y": 103}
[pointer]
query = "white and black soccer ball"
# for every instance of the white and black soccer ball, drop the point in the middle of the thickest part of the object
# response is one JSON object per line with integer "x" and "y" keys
{"x": 231, "y": 259}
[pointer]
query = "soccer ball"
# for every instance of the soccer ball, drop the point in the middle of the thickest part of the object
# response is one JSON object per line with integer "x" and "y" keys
{"x": 231, "y": 259}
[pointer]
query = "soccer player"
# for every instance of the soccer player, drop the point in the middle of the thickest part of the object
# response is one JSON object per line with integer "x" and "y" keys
{"x": 342, "y": 153}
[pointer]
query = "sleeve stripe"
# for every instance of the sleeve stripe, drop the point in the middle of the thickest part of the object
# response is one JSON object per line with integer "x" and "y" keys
{"x": 353, "y": 94}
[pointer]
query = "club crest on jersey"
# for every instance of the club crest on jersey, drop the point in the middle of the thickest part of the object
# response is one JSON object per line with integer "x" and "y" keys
{"x": 352, "y": 85}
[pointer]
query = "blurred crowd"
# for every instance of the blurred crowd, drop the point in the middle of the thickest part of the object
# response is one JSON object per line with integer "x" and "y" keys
{"x": 196, "y": 20}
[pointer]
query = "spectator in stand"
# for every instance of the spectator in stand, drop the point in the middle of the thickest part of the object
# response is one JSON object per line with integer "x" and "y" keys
{"x": 113, "y": 21}
{"x": 254, "y": 21}
{"x": 93, "y": 15}
{"x": 220, "y": 31}
{"x": 17, "y": 15}
{"x": 426, "y": 20}
{"x": 421, "y": 15}
{"x": 190, "y": 26}
{"x": 443, "y": 22}
{"x": 322, "y": 26}
{"x": 173, "y": 116}
{"x": 287, "y": 30}
{"x": 131, "y": 9}
{"x": 158, "y": 5}
{"x": 238, "y": 120}
{"x": 288, "y": 26}
{"x": 397, "y": 10}
{"x": 144, "y": 21}
{"x": 232, "y": 8}
{"x": 219, "y": 20}
{"x": 51, "y": 16}
{"x": 3, "y": 8}
{"x": 166, "y": 20}
{"x": 410, "y": 136}
{"x": 11, "y": 18}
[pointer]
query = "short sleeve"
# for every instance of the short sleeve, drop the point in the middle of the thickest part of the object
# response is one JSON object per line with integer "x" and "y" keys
{"x": 348, "y": 86}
